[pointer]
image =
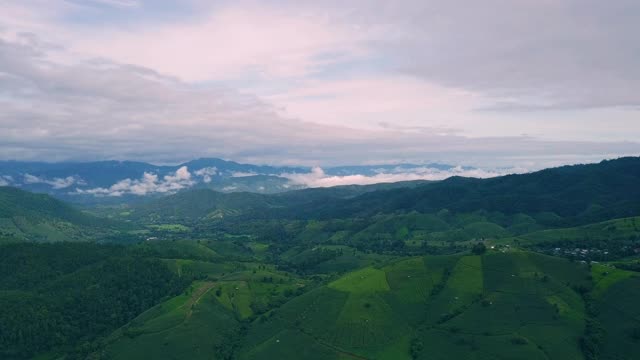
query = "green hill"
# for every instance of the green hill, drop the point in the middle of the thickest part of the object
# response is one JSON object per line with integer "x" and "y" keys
{"x": 616, "y": 307}
{"x": 608, "y": 240}
{"x": 199, "y": 204}
{"x": 611, "y": 230}
{"x": 170, "y": 301}
{"x": 210, "y": 319}
{"x": 513, "y": 305}
{"x": 457, "y": 269}
{"x": 502, "y": 305}
{"x": 39, "y": 217}
{"x": 59, "y": 298}
{"x": 573, "y": 194}
{"x": 564, "y": 196}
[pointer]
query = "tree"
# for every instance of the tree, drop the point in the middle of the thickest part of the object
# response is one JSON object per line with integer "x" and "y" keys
{"x": 479, "y": 249}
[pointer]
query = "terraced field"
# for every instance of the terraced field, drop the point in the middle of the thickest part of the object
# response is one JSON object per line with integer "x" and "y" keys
{"x": 616, "y": 300}
{"x": 501, "y": 305}
{"x": 193, "y": 324}
{"x": 205, "y": 322}
{"x": 618, "y": 229}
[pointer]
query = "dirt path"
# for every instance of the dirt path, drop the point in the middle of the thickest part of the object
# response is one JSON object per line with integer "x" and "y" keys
{"x": 196, "y": 296}
{"x": 340, "y": 351}
{"x": 332, "y": 347}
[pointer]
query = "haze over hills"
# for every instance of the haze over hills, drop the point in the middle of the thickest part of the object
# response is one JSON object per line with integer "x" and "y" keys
{"x": 103, "y": 181}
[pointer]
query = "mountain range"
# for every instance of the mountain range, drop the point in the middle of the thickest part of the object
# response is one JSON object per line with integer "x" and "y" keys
{"x": 117, "y": 181}
{"x": 567, "y": 195}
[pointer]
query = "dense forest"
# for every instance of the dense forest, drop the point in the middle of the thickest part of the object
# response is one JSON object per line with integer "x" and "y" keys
{"x": 68, "y": 295}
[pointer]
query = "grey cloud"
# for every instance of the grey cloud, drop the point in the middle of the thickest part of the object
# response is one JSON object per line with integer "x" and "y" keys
{"x": 527, "y": 54}
{"x": 532, "y": 54}
{"x": 98, "y": 109}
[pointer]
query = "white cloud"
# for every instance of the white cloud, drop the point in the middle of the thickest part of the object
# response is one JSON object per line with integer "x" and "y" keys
{"x": 231, "y": 42}
{"x": 318, "y": 178}
{"x": 56, "y": 183}
{"x": 379, "y": 101}
{"x": 149, "y": 184}
{"x": 527, "y": 54}
{"x": 206, "y": 173}
{"x": 243, "y": 174}
{"x": 6, "y": 180}
{"x": 117, "y": 3}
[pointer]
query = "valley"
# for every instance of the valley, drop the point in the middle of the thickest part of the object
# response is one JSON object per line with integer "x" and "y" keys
{"x": 336, "y": 273}
{"x": 319, "y": 180}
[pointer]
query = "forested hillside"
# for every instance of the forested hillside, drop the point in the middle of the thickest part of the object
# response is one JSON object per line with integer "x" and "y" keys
{"x": 65, "y": 296}
{"x": 26, "y": 216}
{"x": 569, "y": 195}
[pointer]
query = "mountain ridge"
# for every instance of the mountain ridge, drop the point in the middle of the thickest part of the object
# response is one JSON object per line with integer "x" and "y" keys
{"x": 567, "y": 191}
{"x": 114, "y": 181}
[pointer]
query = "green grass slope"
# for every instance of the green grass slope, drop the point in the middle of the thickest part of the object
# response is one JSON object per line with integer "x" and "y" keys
{"x": 611, "y": 230}
{"x": 26, "y": 216}
{"x": 617, "y": 311}
{"x": 515, "y": 305}
{"x": 192, "y": 325}
{"x": 210, "y": 318}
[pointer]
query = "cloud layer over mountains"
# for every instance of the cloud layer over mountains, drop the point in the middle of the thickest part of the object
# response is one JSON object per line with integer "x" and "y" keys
{"x": 496, "y": 83}
{"x": 152, "y": 183}
{"x": 56, "y": 183}
{"x": 318, "y": 178}
{"x": 148, "y": 184}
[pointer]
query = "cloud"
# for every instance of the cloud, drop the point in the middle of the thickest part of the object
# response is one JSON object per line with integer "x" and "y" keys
{"x": 318, "y": 178}
{"x": 117, "y": 4}
{"x": 526, "y": 54}
{"x": 231, "y": 41}
{"x": 206, "y": 173}
{"x": 378, "y": 102}
{"x": 58, "y": 103}
{"x": 243, "y": 174}
{"x": 6, "y": 180}
{"x": 149, "y": 184}
{"x": 56, "y": 183}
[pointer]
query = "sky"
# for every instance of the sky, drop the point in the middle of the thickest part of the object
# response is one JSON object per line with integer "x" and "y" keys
{"x": 497, "y": 83}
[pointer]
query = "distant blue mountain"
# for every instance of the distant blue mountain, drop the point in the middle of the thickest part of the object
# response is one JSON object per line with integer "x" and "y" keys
{"x": 115, "y": 181}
